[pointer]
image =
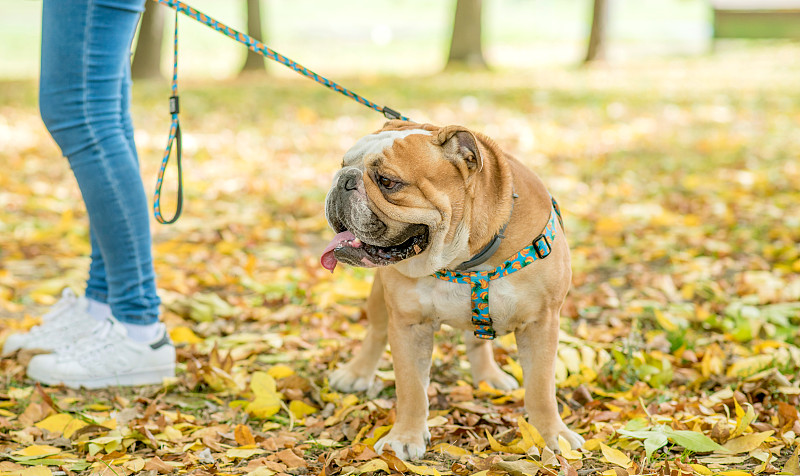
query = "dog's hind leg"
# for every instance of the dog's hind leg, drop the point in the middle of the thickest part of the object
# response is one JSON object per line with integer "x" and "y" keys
{"x": 358, "y": 374}
{"x": 484, "y": 367}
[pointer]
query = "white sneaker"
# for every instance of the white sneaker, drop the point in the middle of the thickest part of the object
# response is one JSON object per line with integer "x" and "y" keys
{"x": 66, "y": 321}
{"x": 107, "y": 357}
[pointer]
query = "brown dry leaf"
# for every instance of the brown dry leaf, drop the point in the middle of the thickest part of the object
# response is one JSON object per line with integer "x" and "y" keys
{"x": 290, "y": 459}
{"x": 244, "y": 437}
{"x": 156, "y": 464}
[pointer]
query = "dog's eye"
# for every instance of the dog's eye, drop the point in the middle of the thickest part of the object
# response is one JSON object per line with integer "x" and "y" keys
{"x": 386, "y": 183}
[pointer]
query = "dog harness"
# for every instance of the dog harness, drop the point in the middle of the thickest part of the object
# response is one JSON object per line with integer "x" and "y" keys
{"x": 540, "y": 248}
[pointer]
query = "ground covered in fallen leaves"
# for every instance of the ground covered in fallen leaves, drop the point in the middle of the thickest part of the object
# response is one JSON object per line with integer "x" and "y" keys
{"x": 679, "y": 180}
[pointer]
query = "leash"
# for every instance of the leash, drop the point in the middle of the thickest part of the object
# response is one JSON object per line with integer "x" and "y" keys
{"x": 256, "y": 46}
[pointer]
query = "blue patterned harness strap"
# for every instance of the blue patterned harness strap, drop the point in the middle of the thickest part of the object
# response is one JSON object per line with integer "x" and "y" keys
{"x": 540, "y": 248}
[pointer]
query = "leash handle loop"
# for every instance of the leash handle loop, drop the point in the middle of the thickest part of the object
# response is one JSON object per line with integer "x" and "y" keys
{"x": 174, "y": 108}
{"x": 174, "y": 139}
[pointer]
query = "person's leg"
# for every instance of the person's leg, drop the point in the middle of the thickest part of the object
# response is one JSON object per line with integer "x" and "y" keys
{"x": 85, "y": 104}
{"x": 97, "y": 286}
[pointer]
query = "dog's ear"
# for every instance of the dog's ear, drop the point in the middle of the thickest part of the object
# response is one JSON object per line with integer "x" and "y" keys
{"x": 460, "y": 146}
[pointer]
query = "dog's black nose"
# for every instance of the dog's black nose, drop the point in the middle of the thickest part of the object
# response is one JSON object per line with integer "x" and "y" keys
{"x": 350, "y": 184}
{"x": 349, "y": 180}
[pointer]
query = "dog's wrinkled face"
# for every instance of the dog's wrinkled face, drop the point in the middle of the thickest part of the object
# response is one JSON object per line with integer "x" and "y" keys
{"x": 399, "y": 195}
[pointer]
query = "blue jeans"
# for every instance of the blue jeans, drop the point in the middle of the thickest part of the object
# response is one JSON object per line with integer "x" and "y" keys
{"x": 84, "y": 99}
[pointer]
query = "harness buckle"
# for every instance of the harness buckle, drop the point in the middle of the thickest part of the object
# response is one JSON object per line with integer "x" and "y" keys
{"x": 548, "y": 248}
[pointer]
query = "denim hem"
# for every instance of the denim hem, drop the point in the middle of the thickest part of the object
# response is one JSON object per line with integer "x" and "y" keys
{"x": 96, "y": 296}
{"x": 144, "y": 320}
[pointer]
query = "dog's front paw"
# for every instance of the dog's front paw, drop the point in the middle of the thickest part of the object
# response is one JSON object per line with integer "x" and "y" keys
{"x": 349, "y": 378}
{"x": 406, "y": 445}
{"x": 575, "y": 440}
{"x": 496, "y": 378}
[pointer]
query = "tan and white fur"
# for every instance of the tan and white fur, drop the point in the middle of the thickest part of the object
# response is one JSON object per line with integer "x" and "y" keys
{"x": 457, "y": 185}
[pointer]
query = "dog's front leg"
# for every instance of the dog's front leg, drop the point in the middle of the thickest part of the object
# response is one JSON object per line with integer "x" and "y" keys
{"x": 358, "y": 374}
{"x": 411, "y": 343}
{"x": 537, "y": 343}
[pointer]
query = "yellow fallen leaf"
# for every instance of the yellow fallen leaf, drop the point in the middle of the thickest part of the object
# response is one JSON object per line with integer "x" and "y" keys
{"x": 17, "y": 393}
{"x": 750, "y": 365}
{"x": 261, "y": 471}
{"x": 184, "y": 335}
{"x": 300, "y": 409}
{"x": 747, "y": 443}
{"x": 170, "y": 433}
{"x": 372, "y": 466}
{"x": 262, "y": 383}
{"x": 497, "y": 446}
{"x": 566, "y": 449}
{"x": 422, "y": 470}
{"x": 530, "y": 434}
{"x": 135, "y": 465}
{"x": 349, "y": 401}
{"x": 438, "y": 420}
{"x": 61, "y": 423}
{"x": 267, "y": 401}
{"x": 36, "y": 471}
{"x": 263, "y": 407}
{"x": 513, "y": 367}
{"x": 615, "y": 456}
{"x": 743, "y": 418}
{"x": 280, "y": 371}
{"x": 452, "y": 450}
{"x": 38, "y": 451}
{"x": 735, "y": 472}
{"x": 664, "y": 321}
{"x": 700, "y": 469}
{"x": 792, "y": 465}
{"x": 377, "y": 433}
{"x": 243, "y": 453}
{"x": 592, "y": 444}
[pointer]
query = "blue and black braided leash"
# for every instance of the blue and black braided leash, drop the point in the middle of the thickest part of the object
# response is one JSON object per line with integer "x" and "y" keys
{"x": 254, "y": 45}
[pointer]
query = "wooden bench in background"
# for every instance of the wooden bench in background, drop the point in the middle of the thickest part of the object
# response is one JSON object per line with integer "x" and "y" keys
{"x": 756, "y": 18}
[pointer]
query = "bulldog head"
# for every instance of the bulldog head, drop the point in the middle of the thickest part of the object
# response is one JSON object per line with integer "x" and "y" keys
{"x": 404, "y": 197}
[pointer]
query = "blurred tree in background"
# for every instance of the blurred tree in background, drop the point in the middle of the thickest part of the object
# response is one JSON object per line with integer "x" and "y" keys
{"x": 147, "y": 60}
{"x": 254, "y": 61}
{"x": 597, "y": 35}
{"x": 466, "y": 45}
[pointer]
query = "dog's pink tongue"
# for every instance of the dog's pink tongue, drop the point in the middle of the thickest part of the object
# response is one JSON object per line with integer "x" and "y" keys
{"x": 329, "y": 261}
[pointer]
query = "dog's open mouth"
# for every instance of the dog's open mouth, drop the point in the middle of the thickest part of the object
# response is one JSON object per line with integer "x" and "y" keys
{"x": 345, "y": 247}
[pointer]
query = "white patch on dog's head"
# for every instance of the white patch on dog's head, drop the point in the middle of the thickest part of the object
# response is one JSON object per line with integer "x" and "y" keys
{"x": 375, "y": 144}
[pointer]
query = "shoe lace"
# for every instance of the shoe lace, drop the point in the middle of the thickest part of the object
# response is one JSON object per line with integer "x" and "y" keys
{"x": 93, "y": 342}
{"x": 68, "y": 300}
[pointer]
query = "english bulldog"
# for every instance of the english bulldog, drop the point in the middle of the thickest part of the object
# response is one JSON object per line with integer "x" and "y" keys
{"x": 425, "y": 204}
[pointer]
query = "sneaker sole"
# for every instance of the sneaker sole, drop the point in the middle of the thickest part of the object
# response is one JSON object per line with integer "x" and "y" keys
{"x": 154, "y": 376}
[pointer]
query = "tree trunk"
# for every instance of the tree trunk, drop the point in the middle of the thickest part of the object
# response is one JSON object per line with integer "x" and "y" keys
{"x": 466, "y": 45}
{"x": 597, "y": 36}
{"x": 254, "y": 61}
{"x": 147, "y": 58}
